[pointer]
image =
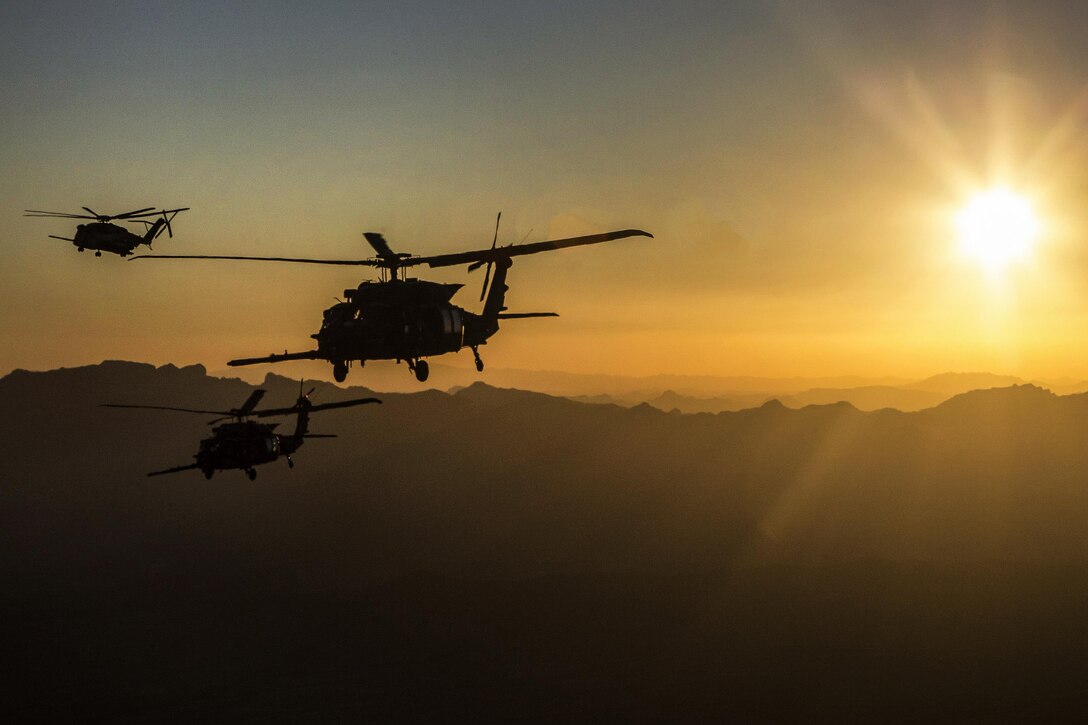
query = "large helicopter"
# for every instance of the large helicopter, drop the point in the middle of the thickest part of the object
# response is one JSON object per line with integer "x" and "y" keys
{"x": 102, "y": 236}
{"x": 407, "y": 319}
{"x": 243, "y": 443}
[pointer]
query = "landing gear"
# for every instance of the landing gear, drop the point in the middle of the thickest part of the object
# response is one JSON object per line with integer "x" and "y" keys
{"x": 98, "y": 254}
{"x": 79, "y": 249}
{"x": 479, "y": 362}
{"x": 340, "y": 371}
{"x": 252, "y": 473}
{"x": 420, "y": 369}
{"x": 290, "y": 463}
{"x": 208, "y": 473}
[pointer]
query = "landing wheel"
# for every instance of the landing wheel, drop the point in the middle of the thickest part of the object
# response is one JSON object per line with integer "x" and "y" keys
{"x": 208, "y": 473}
{"x": 290, "y": 463}
{"x": 98, "y": 254}
{"x": 479, "y": 362}
{"x": 252, "y": 473}
{"x": 79, "y": 249}
{"x": 340, "y": 371}
{"x": 422, "y": 371}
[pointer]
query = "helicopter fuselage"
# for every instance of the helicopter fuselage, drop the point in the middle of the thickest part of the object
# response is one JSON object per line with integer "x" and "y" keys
{"x": 106, "y": 237}
{"x": 240, "y": 445}
{"x": 401, "y": 320}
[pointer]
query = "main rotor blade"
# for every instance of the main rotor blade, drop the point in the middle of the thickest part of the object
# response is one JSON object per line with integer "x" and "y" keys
{"x": 381, "y": 247}
{"x": 56, "y": 214}
{"x": 165, "y": 407}
{"x": 344, "y": 404}
{"x": 133, "y": 213}
{"x": 176, "y": 469}
{"x": 251, "y": 401}
{"x": 92, "y": 212}
{"x": 149, "y": 211}
{"x": 349, "y": 262}
{"x": 440, "y": 260}
{"x": 491, "y": 255}
{"x": 54, "y": 236}
{"x": 314, "y": 408}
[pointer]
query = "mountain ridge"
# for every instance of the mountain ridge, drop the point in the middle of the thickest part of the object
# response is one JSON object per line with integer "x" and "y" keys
{"x": 497, "y": 552}
{"x": 666, "y": 401}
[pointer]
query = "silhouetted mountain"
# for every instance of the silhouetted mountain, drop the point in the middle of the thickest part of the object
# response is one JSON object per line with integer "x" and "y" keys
{"x": 956, "y": 383}
{"x": 671, "y": 400}
{"x": 872, "y": 397}
{"x": 908, "y": 397}
{"x": 694, "y": 394}
{"x": 503, "y": 554}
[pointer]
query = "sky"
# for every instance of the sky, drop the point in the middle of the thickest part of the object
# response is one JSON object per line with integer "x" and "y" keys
{"x": 800, "y": 165}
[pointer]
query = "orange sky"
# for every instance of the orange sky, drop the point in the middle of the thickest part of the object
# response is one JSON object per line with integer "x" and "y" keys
{"x": 800, "y": 170}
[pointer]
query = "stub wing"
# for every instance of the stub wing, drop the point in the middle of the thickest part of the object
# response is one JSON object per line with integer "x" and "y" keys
{"x": 176, "y": 469}
{"x": 523, "y": 315}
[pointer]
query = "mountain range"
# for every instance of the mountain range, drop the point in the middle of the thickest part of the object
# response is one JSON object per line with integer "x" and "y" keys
{"x": 701, "y": 394}
{"x": 505, "y": 554}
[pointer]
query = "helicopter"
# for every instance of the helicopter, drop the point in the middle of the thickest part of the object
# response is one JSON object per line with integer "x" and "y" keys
{"x": 407, "y": 319}
{"x": 102, "y": 236}
{"x": 243, "y": 443}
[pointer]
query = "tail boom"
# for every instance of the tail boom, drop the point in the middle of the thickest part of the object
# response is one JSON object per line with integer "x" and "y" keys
{"x": 153, "y": 231}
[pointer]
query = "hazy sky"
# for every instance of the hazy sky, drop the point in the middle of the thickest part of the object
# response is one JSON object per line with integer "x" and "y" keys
{"x": 800, "y": 165}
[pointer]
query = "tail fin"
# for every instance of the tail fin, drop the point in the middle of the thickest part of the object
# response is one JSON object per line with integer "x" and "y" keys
{"x": 487, "y": 324}
{"x": 303, "y": 424}
{"x": 153, "y": 231}
{"x": 496, "y": 295}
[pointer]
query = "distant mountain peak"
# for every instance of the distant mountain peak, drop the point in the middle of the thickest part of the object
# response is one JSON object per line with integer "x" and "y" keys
{"x": 985, "y": 400}
{"x": 956, "y": 383}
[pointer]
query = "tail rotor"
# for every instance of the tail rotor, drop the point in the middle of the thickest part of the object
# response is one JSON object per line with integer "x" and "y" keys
{"x": 304, "y": 398}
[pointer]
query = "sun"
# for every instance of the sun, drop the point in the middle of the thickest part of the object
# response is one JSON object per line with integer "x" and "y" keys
{"x": 996, "y": 228}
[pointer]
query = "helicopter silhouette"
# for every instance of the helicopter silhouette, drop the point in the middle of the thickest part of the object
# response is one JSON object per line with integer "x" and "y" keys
{"x": 102, "y": 236}
{"x": 244, "y": 443}
{"x": 407, "y": 319}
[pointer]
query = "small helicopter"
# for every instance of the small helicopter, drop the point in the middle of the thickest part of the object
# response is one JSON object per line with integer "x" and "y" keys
{"x": 243, "y": 443}
{"x": 102, "y": 236}
{"x": 407, "y": 319}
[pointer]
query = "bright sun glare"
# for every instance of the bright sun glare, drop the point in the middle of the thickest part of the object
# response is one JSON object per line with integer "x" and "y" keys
{"x": 996, "y": 228}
